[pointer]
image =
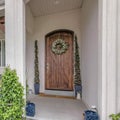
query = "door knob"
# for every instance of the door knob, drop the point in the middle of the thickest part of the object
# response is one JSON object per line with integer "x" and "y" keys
{"x": 47, "y": 65}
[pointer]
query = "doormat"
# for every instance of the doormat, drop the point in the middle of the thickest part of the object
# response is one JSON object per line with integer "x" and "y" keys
{"x": 56, "y": 96}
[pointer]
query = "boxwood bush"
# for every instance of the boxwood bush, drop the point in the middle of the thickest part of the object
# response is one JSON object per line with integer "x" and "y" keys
{"x": 11, "y": 96}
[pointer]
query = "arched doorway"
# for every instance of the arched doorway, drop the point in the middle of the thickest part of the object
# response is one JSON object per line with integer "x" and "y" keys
{"x": 59, "y": 60}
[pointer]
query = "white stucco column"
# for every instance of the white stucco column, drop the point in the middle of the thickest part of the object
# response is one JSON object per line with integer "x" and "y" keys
{"x": 15, "y": 37}
{"x": 118, "y": 59}
{"x": 107, "y": 58}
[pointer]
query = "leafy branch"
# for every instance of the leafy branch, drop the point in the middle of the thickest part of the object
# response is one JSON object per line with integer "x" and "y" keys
{"x": 115, "y": 116}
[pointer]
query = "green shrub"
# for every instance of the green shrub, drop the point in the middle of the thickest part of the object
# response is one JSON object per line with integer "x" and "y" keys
{"x": 115, "y": 116}
{"x": 11, "y": 96}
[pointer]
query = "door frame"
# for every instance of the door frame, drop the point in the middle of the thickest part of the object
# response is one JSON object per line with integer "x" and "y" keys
{"x": 58, "y": 30}
{"x": 54, "y": 32}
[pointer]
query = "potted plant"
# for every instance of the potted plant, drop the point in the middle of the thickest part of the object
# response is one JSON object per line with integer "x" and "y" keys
{"x": 11, "y": 96}
{"x": 36, "y": 71}
{"x": 115, "y": 116}
{"x": 77, "y": 75}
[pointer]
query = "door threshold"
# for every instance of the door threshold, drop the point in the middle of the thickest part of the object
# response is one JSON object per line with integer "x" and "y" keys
{"x": 59, "y": 93}
{"x": 56, "y": 96}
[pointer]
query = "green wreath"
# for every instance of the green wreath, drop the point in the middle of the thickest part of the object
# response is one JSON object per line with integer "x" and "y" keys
{"x": 59, "y": 46}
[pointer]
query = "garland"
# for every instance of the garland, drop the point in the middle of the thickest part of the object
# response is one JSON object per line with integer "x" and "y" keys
{"x": 59, "y": 46}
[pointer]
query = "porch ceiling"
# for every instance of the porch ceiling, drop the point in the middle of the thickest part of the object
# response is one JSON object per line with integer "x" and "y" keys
{"x": 45, "y": 7}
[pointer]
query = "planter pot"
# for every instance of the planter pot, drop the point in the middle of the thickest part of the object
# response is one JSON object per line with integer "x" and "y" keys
{"x": 36, "y": 88}
{"x": 91, "y": 115}
{"x": 30, "y": 109}
{"x": 78, "y": 88}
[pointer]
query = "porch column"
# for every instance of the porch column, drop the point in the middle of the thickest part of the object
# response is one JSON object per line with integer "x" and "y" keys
{"x": 15, "y": 37}
{"x": 107, "y": 58}
{"x": 118, "y": 60}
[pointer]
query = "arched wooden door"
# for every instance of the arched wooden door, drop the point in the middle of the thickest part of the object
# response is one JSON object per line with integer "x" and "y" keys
{"x": 59, "y": 66}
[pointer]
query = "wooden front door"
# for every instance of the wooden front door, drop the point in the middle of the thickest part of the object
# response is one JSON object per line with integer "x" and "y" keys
{"x": 59, "y": 66}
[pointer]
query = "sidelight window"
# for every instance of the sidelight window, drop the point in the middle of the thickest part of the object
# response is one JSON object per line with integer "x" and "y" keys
{"x": 2, "y": 52}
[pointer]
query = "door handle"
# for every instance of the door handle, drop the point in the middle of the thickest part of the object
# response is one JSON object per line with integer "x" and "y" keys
{"x": 47, "y": 66}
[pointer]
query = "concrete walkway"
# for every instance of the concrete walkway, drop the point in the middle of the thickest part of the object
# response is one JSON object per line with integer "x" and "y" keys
{"x": 49, "y": 108}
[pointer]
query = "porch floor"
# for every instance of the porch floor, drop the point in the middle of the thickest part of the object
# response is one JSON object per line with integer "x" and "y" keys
{"x": 50, "y": 108}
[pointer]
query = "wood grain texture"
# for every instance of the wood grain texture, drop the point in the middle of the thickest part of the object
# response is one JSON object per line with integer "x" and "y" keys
{"x": 59, "y": 68}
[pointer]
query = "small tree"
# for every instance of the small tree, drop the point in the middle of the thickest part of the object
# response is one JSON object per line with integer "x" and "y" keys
{"x": 77, "y": 75}
{"x": 11, "y": 96}
{"x": 36, "y": 71}
{"x": 36, "y": 79}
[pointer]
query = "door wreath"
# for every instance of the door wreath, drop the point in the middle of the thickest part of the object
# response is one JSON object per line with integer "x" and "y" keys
{"x": 59, "y": 46}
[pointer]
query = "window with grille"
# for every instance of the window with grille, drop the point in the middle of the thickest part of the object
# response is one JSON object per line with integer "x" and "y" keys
{"x": 2, "y": 53}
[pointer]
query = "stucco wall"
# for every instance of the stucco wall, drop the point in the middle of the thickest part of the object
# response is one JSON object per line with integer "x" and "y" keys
{"x": 30, "y": 60}
{"x": 43, "y": 25}
{"x": 89, "y": 51}
{"x": 29, "y": 20}
{"x": 29, "y": 45}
